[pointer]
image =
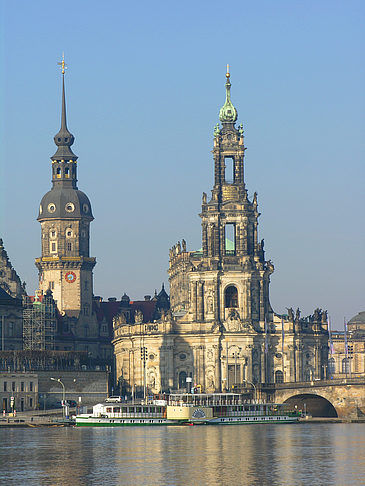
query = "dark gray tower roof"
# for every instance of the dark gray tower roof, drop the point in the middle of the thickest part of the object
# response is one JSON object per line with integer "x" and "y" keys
{"x": 64, "y": 138}
{"x": 64, "y": 200}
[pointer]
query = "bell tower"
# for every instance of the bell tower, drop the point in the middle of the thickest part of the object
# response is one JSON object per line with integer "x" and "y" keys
{"x": 229, "y": 275}
{"x": 65, "y": 214}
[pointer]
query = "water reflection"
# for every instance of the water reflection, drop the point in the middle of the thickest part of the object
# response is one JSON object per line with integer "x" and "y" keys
{"x": 272, "y": 455}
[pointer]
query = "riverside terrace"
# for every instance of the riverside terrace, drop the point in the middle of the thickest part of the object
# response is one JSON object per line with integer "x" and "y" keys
{"x": 26, "y": 376}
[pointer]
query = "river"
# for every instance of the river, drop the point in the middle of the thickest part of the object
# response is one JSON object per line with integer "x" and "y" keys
{"x": 276, "y": 455}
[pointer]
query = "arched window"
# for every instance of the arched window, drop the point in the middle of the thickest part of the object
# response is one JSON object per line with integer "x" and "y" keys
{"x": 346, "y": 365}
{"x": 279, "y": 376}
{"x": 182, "y": 379}
{"x": 67, "y": 172}
{"x": 331, "y": 366}
{"x": 58, "y": 172}
{"x": 231, "y": 296}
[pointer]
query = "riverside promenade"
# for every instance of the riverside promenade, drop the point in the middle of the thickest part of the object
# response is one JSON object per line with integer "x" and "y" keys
{"x": 36, "y": 418}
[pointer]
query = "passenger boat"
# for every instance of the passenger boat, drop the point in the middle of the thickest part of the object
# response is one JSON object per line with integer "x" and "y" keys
{"x": 189, "y": 409}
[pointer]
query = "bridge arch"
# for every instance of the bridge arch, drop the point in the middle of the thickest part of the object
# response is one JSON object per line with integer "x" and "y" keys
{"x": 315, "y": 405}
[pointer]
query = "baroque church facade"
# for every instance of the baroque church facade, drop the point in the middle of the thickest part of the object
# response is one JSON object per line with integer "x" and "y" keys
{"x": 221, "y": 330}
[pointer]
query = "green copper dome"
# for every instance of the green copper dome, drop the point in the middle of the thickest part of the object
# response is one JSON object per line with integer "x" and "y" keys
{"x": 228, "y": 113}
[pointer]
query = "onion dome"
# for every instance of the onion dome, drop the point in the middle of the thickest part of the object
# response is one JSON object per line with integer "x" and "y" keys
{"x": 228, "y": 113}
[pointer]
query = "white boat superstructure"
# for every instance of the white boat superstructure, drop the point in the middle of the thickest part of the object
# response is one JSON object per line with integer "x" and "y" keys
{"x": 188, "y": 409}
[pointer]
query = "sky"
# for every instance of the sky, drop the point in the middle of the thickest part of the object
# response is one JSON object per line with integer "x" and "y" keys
{"x": 144, "y": 85}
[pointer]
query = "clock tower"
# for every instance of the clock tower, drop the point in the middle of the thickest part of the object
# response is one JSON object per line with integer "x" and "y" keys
{"x": 65, "y": 214}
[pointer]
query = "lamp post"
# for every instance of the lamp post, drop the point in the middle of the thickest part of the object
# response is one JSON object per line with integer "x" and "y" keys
{"x": 254, "y": 386}
{"x": 63, "y": 394}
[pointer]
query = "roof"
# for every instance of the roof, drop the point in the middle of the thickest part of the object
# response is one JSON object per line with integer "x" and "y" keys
{"x": 6, "y": 299}
{"x": 358, "y": 319}
{"x": 107, "y": 310}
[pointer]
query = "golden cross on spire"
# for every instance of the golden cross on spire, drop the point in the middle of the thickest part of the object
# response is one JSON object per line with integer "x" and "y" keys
{"x": 63, "y": 64}
{"x": 227, "y": 74}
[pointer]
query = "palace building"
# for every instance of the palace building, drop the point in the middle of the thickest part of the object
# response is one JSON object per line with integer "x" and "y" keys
{"x": 221, "y": 330}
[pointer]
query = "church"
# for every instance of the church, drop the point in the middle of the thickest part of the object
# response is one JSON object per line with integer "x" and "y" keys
{"x": 221, "y": 332}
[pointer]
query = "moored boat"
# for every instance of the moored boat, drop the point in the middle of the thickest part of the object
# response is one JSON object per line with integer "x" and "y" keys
{"x": 189, "y": 409}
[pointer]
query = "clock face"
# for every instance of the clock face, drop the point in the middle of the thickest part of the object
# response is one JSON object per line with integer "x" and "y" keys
{"x": 70, "y": 277}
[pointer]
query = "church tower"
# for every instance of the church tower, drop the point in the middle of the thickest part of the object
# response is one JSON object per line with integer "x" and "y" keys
{"x": 65, "y": 214}
{"x": 221, "y": 331}
{"x": 230, "y": 275}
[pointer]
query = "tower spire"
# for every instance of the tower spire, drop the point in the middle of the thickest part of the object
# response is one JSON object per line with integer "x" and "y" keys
{"x": 228, "y": 113}
{"x": 64, "y": 138}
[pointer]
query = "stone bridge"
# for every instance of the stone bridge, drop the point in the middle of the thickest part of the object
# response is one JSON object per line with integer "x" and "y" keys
{"x": 343, "y": 398}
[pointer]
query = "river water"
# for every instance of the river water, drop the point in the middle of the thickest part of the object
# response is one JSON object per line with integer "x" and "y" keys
{"x": 287, "y": 454}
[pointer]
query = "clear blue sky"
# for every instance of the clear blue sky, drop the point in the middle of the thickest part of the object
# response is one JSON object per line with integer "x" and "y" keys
{"x": 144, "y": 87}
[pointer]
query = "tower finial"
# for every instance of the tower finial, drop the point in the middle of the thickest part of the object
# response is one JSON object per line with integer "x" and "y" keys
{"x": 64, "y": 138}
{"x": 63, "y": 64}
{"x": 228, "y": 113}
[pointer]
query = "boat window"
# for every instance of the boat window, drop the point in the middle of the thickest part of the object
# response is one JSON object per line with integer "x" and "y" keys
{"x": 109, "y": 410}
{"x": 116, "y": 409}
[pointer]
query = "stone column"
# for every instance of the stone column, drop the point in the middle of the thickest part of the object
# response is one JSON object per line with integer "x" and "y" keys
{"x": 255, "y": 238}
{"x": 194, "y": 300}
{"x": 205, "y": 240}
{"x": 249, "y": 299}
{"x": 262, "y": 309}
{"x": 245, "y": 241}
{"x": 216, "y": 302}
{"x": 200, "y": 301}
{"x": 222, "y": 241}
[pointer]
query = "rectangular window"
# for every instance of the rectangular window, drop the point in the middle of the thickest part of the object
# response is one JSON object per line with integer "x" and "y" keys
{"x": 22, "y": 386}
{"x": 13, "y": 386}
{"x": 53, "y": 248}
{"x": 5, "y": 386}
{"x": 229, "y": 170}
{"x": 230, "y": 239}
{"x": 69, "y": 246}
{"x": 51, "y": 285}
{"x": 30, "y": 386}
{"x": 31, "y": 402}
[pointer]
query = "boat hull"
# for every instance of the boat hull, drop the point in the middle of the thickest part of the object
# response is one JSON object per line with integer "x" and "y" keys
{"x": 115, "y": 422}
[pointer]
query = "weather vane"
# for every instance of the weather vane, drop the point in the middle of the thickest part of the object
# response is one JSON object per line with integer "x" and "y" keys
{"x": 63, "y": 64}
